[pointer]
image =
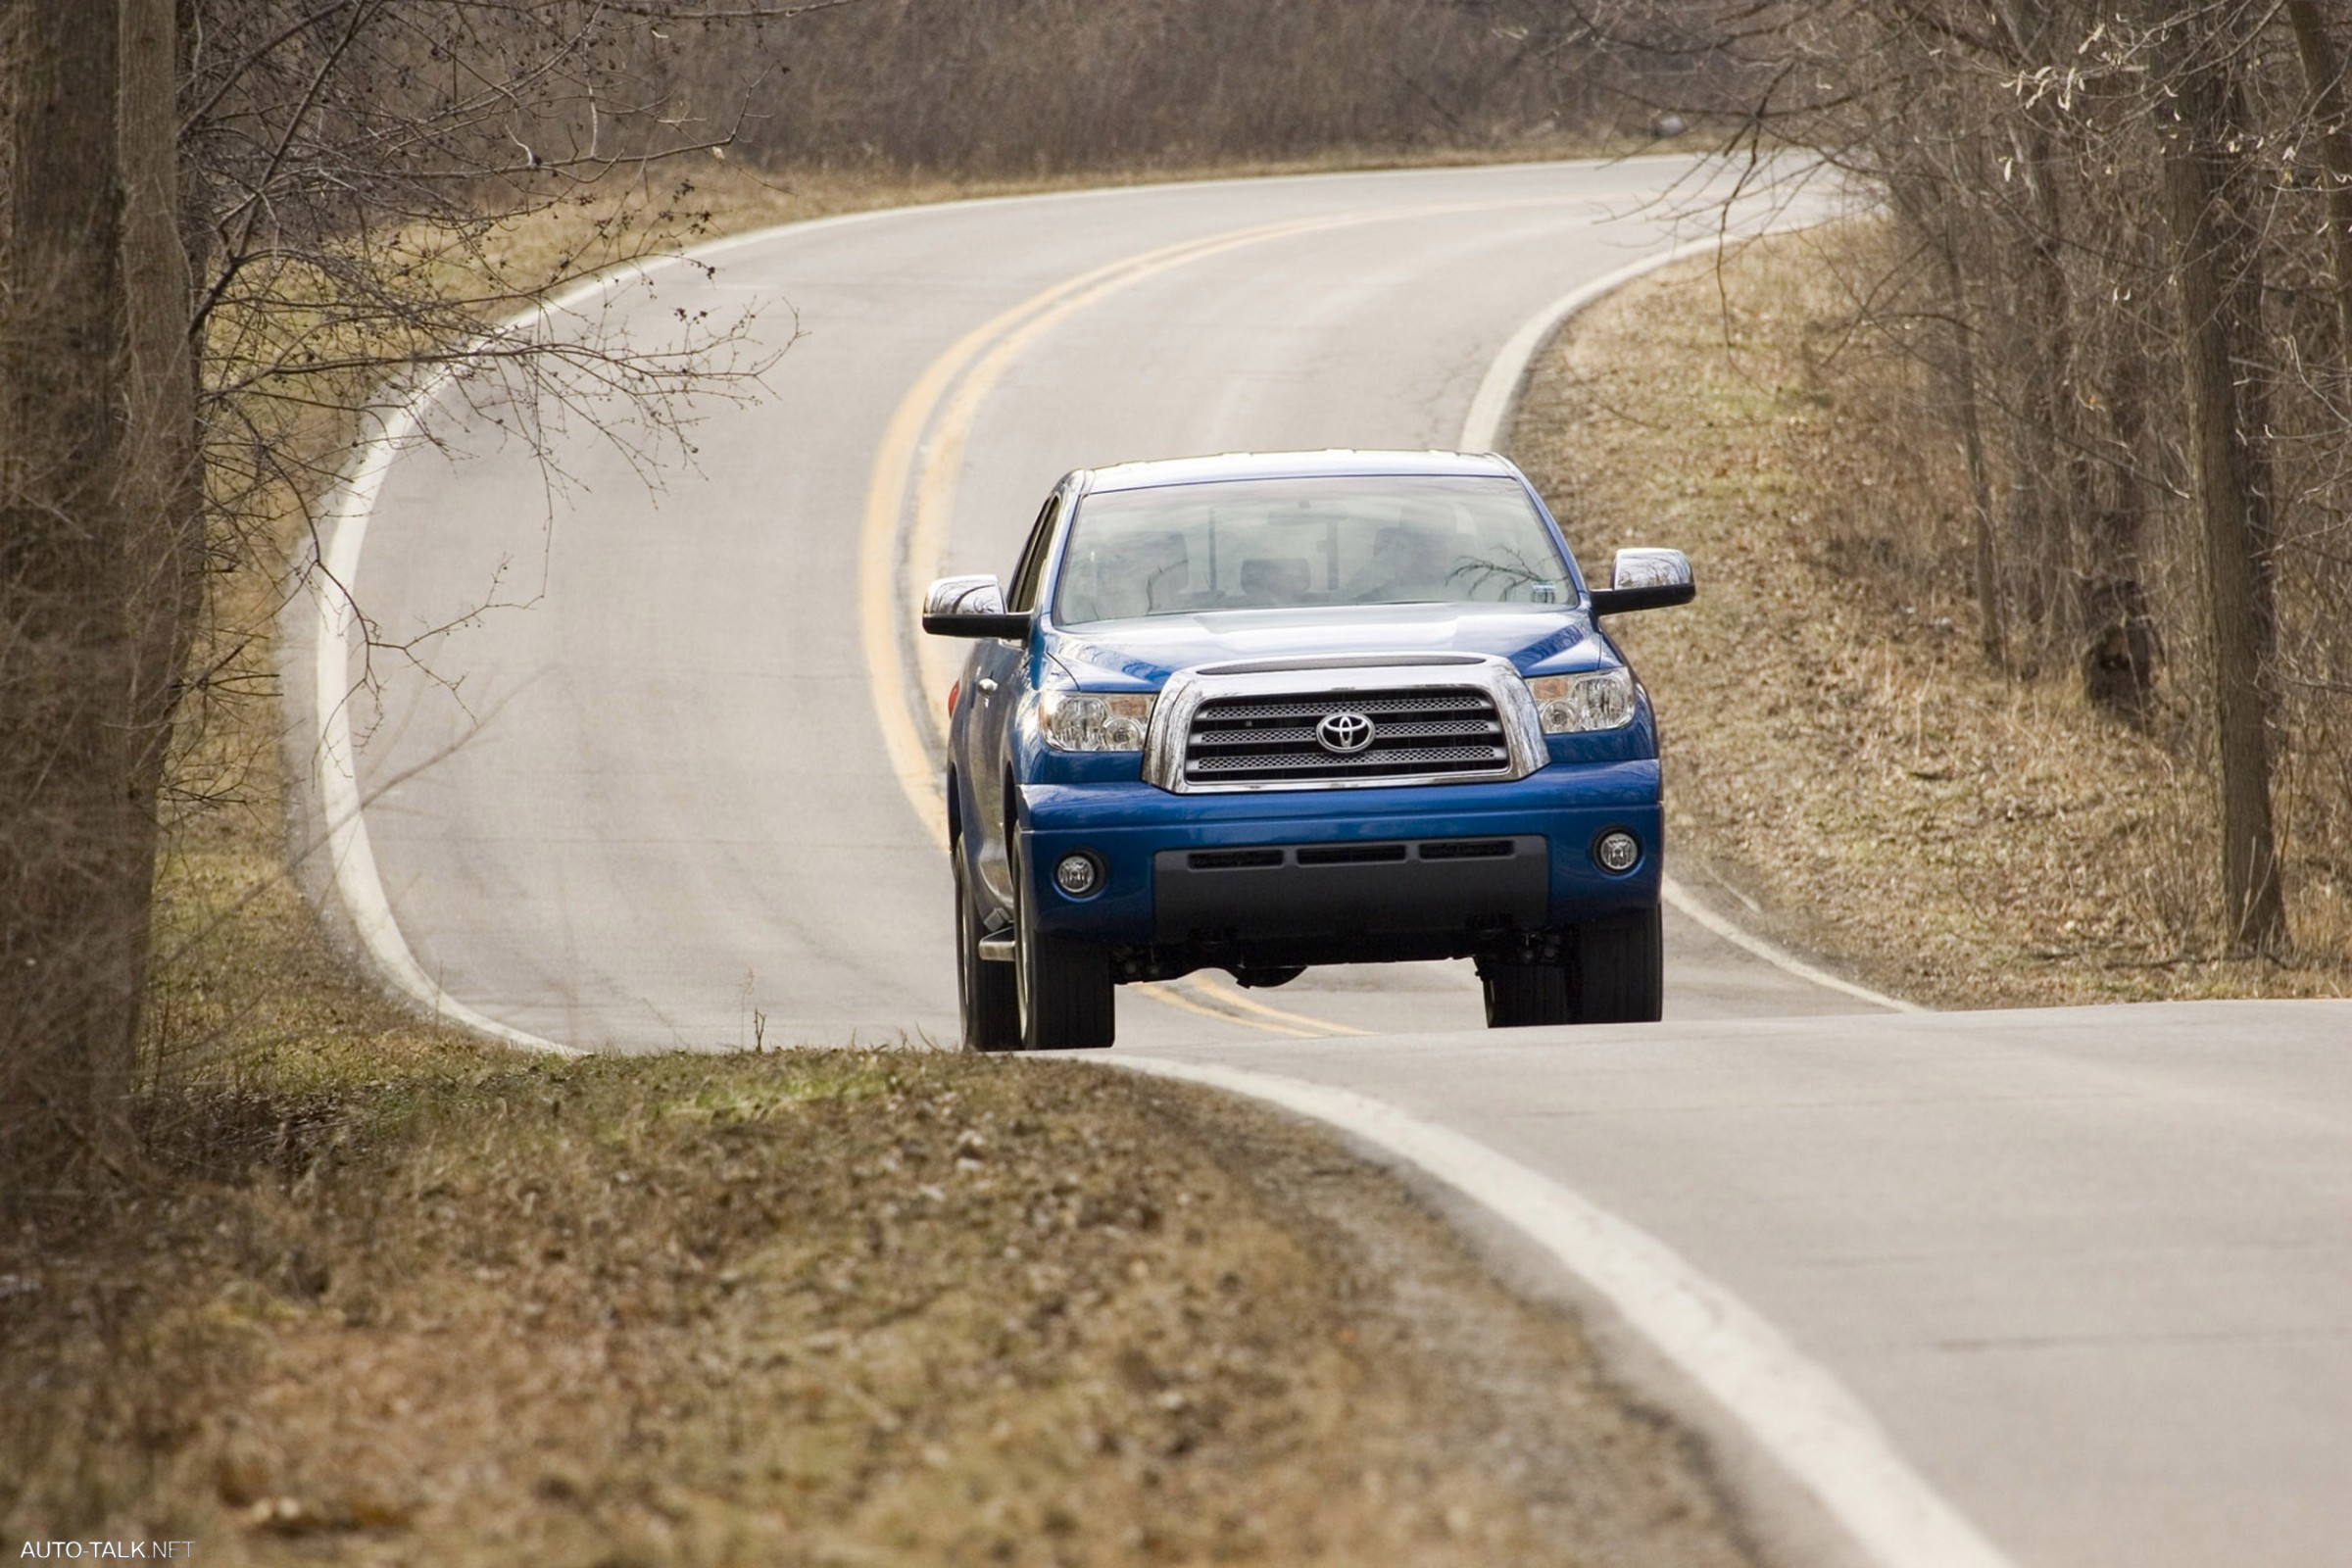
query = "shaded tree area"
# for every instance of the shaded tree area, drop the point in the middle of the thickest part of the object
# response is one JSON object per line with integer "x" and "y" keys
{"x": 2119, "y": 249}
{"x": 1018, "y": 87}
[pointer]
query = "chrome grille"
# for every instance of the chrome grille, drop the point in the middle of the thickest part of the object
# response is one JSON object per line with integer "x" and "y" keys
{"x": 1417, "y": 732}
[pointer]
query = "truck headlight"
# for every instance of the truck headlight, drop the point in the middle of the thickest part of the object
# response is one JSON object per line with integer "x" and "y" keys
{"x": 1568, "y": 703}
{"x": 1095, "y": 721}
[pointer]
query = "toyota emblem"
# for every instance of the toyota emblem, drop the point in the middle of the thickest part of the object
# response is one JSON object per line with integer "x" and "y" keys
{"x": 1344, "y": 734}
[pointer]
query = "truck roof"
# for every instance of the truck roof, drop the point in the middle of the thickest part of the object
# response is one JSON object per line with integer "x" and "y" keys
{"x": 1334, "y": 463}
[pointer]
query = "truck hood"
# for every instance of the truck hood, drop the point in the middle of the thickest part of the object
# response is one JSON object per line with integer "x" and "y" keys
{"x": 1141, "y": 654}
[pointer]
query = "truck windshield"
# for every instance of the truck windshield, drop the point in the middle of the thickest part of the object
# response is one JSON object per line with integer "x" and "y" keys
{"x": 1287, "y": 544}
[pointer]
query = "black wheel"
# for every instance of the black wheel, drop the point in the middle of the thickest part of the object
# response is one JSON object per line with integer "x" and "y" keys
{"x": 1520, "y": 995}
{"x": 1617, "y": 968}
{"x": 1066, "y": 995}
{"x": 989, "y": 994}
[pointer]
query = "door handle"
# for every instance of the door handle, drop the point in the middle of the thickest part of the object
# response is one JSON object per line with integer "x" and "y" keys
{"x": 988, "y": 687}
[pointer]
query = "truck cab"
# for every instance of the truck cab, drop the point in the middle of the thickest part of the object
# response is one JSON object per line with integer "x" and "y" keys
{"x": 1264, "y": 711}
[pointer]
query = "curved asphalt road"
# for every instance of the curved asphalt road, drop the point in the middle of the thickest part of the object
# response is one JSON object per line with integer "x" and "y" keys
{"x": 2092, "y": 1271}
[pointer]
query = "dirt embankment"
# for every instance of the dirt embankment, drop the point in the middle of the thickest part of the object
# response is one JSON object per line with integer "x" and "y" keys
{"x": 808, "y": 1307}
{"x": 1843, "y": 767}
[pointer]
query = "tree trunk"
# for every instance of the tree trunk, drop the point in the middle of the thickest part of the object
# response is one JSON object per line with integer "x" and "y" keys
{"x": 1993, "y": 638}
{"x": 2050, "y": 475}
{"x": 2215, "y": 266}
{"x": 2032, "y": 461}
{"x": 2323, "y": 72}
{"x": 2049, "y": 344}
{"x": 76, "y": 858}
{"x": 2119, "y": 653}
{"x": 162, "y": 499}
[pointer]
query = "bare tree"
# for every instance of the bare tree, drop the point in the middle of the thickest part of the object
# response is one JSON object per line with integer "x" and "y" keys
{"x": 229, "y": 227}
{"x": 161, "y": 485}
{"x": 74, "y": 878}
{"x": 2135, "y": 226}
{"x": 1018, "y": 87}
{"x": 2331, "y": 113}
{"x": 2218, "y": 266}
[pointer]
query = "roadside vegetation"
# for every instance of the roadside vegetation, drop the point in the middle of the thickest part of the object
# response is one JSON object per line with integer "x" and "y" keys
{"x": 457, "y": 1305}
{"x": 1845, "y": 768}
{"x": 2118, "y": 251}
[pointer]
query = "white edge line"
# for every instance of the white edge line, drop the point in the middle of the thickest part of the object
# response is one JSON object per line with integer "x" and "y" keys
{"x": 1498, "y": 391}
{"x": 335, "y": 771}
{"x": 333, "y": 588}
{"x": 1482, "y": 431}
{"x": 1680, "y": 896}
{"x": 1804, "y": 1418}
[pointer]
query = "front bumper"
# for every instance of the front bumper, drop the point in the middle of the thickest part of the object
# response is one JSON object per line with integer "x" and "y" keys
{"x": 1128, "y": 827}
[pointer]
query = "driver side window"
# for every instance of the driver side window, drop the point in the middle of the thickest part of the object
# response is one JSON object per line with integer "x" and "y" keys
{"x": 1024, "y": 594}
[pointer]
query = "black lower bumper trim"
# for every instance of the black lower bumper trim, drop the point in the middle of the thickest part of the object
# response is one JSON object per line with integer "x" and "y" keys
{"x": 1334, "y": 891}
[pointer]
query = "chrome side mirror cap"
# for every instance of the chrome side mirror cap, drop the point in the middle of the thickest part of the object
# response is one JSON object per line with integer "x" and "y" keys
{"x": 1645, "y": 579}
{"x": 970, "y": 607}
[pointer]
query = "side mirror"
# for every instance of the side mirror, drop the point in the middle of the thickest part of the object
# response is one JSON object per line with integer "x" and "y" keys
{"x": 970, "y": 607}
{"x": 1645, "y": 579}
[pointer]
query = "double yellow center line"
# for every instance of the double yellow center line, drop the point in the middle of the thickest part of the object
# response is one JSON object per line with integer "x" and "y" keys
{"x": 904, "y": 535}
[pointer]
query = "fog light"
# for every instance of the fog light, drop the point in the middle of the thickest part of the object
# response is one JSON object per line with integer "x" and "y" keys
{"x": 1617, "y": 851}
{"x": 1077, "y": 875}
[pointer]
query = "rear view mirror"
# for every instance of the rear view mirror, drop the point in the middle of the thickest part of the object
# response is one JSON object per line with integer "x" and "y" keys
{"x": 1645, "y": 579}
{"x": 970, "y": 607}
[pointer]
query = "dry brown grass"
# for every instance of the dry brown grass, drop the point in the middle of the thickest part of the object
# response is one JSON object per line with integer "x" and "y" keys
{"x": 1841, "y": 767}
{"x": 815, "y": 1307}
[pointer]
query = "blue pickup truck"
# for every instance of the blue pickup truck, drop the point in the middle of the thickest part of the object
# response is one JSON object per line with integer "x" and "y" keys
{"x": 1259, "y": 713}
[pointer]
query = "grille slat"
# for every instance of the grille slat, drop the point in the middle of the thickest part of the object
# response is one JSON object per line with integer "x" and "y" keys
{"x": 1448, "y": 731}
{"x": 1468, "y": 727}
{"x": 1232, "y": 859}
{"x": 1231, "y": 709}
{"x": 1350, "y": 854}
{"x": 1468, "y": 850}
{"x": 1414, "y": 759}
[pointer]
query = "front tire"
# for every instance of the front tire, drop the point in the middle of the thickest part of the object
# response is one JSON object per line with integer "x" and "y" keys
{"x": 1523, "y": 996}
{"x": 1617, "y": 968}
{"x": 1067, "y": 1000}
{"x": 987, "y": 994}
